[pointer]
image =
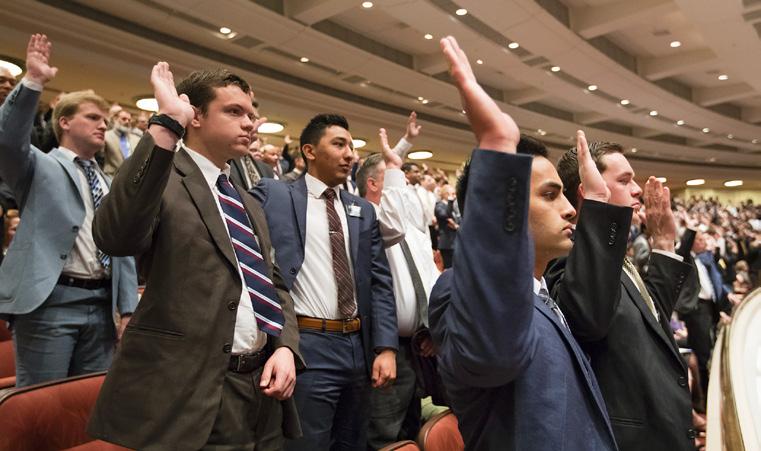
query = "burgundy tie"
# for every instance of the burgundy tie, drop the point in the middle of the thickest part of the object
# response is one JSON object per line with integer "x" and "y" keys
{"x": 344, "y": 283}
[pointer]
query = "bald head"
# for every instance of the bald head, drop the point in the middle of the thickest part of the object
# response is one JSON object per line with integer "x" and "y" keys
{"x": 7, "y": 82}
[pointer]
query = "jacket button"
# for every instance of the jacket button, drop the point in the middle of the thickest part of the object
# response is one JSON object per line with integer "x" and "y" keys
{"x": 510, "y": 227}
{"x": 227, "y": 348}
{"x": 512, "y": 181}
{"x": 232, "y": 306}
{"x": 75, "y": 229}
{"x": 691, "y": 434}
{"x": 292, "y": 271}
{"x": 682, "y": 381}
{"x": 136, "y": 180}
{"x": 63, "y": 256}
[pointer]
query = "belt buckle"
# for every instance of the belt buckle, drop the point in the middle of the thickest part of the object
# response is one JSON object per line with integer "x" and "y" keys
{"x": 241, "y": 361}
{"x": 344, "y": 323}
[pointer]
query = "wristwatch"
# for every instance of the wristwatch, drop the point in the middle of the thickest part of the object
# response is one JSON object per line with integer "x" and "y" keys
{"x": 168, "y": 123}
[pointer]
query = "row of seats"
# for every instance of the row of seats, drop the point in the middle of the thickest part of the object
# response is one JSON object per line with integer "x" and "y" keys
{"x": 54, "y": 415}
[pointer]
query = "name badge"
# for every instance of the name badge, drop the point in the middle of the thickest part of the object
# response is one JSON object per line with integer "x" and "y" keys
{"x": 354, "y": 211}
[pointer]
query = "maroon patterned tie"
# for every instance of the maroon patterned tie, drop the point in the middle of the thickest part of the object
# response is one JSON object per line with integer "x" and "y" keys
{"x": 344, "y": 283}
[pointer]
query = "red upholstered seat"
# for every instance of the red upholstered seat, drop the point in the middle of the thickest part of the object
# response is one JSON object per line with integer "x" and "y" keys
{"x": 441, "y": 433}
{"x": 7, "y": 364}
{"x": 406, "y": 445}
{"x": 50, "y": 416}
{"x": 5, "y": 334}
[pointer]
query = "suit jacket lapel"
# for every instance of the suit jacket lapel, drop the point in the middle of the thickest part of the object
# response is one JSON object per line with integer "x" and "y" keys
{"x": 636, "y": 297}
{"x": 353, "y": 223}
{"x": 199, "y": 192}
{"x": 70, "y": 169}
{"x": 299, "y": 197}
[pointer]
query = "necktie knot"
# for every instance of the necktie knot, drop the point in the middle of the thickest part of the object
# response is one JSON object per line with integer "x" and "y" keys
{"x": 86, "y": 164}
{"x": 329, "y": 194}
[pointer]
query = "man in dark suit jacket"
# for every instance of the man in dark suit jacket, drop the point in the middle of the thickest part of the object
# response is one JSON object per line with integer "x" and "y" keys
{"x": 626, "y": 331}
{"x": 209, "y": 358}
{"x": 515, "y": 376}
{"x": 328, "y": 243}
{"x": 246, "y": 171}
{"x": 447, "y": 215}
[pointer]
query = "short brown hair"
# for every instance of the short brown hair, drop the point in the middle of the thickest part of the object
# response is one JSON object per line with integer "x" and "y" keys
{"x": 69, "y": 104}
{"x": 568, "y": 167}
{"x": 199, "y": 86}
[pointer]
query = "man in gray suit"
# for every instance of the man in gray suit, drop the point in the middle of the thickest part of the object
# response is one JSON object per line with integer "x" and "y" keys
{"x": 67, "y": 301}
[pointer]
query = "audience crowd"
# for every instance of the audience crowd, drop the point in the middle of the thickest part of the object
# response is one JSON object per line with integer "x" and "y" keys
{"x": 300, "y": 296}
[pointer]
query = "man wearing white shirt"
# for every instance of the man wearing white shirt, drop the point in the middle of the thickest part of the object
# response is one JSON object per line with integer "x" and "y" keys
{"x": 395, "y": 412}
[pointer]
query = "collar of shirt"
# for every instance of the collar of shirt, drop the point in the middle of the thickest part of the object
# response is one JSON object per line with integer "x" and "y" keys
{"x": 70, "y": 155}
{"x": 315, "y": 187}
{"x": 209, "y": 170}
{"x": 539, "y": 284}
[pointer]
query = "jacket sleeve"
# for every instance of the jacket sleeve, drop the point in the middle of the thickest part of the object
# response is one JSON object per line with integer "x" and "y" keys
{"x": 385, "y": 332}
{"x": 17, "y": 156}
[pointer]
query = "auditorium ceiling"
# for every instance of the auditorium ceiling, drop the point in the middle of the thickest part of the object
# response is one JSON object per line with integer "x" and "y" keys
{"x": 675, "y": 81}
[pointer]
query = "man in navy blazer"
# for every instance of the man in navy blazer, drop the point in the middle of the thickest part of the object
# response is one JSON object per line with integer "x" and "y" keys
{"x": 516, "y": 378}
{"x": 328, "y": 245}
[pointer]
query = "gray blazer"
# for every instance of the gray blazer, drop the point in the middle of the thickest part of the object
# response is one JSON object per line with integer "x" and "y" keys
{"x": 46, "y": 187}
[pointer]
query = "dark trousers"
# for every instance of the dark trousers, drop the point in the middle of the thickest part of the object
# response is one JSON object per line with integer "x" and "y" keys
{"x": 247, "y": 418}
{"x": 333, "y": 394}
{"x": 700, "y": 327}
{"x": 71, "y": 333}
{"x": 446, "y": 256}
{"x": 395, "y": 411}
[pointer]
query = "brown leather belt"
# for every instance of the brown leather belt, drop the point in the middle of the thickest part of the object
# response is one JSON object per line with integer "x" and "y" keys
{"x": 345, "y": 326}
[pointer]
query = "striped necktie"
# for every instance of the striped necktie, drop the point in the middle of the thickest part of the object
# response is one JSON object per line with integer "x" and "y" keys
{"x": 96, "y": 192}
{"x": 267, "y": 309}
{"x": 341, "y": 272}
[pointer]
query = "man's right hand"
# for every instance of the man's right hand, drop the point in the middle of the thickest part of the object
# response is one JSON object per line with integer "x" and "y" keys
{"x": 177, "y": 107}
{"x": 592, "y": 184}
{"x": 38, "y": 69}
{"x": 392, "y": 160}
{"x": 494, "y": 129}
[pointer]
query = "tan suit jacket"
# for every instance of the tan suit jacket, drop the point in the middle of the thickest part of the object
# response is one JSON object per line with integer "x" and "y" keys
{"x": 164, "y": 388}
{"x": 112, "y": 152}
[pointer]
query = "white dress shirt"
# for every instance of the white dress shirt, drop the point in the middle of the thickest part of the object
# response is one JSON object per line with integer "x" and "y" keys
{"x": 247, "y": 337}
{"x": 315, "y": 292}
{"x": 395, "y": 194}
{"x": 706, "y": 286}
{"x": 82, "y": 262}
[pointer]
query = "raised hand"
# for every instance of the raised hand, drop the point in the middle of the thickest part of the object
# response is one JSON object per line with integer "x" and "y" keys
{"x": 38, "y": 69}
{"x": 177, "y": 107}
{"x": 494, "y": 129}
{"x": 413, "y": 129}
{"x": 592, "y": 184}
{"x": 661, "y": 224}
{"x": 392, "y": 160}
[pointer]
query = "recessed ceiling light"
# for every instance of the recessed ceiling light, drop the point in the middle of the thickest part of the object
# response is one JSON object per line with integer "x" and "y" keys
{"x": 555, "y": 68}
{"x": 661, "y": 179}
{"x": 696, "y": 182}
{"x": 755, "y": 141}
{"x": 731, "y": 183}
{"x": 420, "y": 155}
{"x": 270, "y": 127}
{"x": 304, "y": 59}
{"x": 428, "y": 36}
{"x": 14, "y": 69}
{"x": 592, "y": 87}
{"x": 542, "y": 132}
{"x": 463, "y": 112}
{"x": 675, "y": 44}
{"x": 634, "y": 150}
{"x": 625, "y": 102}
{"x": 225, "y": 30}
{"x": 680, "y": 122}
{"x": 723, "y": 77}
{"x": 706, "y": 130}
{"x": 367, "y": 5}
{"x": 461, "y": 12}
{"x": 424, "y": 101}
{"x": 147, "y": 104}
{"x": 479, "y": 61}
{"x": 359, "y": 143}
{"x": 653, "y": 113}
{"x": 712, "y": 159}
{"x": 420, "y": 99}
{"x": 513, "y": 45}
{"x": 731, "y": 136}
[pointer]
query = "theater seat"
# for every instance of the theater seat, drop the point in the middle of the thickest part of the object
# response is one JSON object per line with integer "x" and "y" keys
{"x": 7, "y": 365}
{"x": 441, "y": 433}
{"x": 50, "y": 416}
{"x": 406, "y": 445}
{"x": 5, "y": 334}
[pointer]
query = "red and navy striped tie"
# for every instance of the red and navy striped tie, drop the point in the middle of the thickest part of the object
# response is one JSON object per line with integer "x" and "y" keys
{"x": 267, "y": 309}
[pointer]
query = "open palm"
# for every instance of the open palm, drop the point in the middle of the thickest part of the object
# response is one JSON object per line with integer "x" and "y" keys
{"x": 38, "y": 68}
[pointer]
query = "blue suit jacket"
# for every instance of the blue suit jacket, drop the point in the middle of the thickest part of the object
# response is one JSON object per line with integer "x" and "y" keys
{"x": 46, "y": 187}
{"x": 285, "y": 205}
{"x": 516, "y": 378}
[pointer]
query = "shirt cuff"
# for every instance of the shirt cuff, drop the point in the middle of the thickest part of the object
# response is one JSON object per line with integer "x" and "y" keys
{"x": 669, "y": 254}
{"x": 394, "y": 178}
{"x": 33, "y": 85}
{"x": 402, "y": 147}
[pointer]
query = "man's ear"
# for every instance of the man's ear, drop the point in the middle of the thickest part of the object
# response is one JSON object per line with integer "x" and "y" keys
{"x": 196, "y": 121}
{"x": 309, "y": 152}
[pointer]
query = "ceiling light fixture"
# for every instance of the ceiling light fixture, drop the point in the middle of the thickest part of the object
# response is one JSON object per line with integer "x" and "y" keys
{"x": 420, "y": 155}
{"x": 723, "y": 77}
{"x": 359, "y": 143}
{"x": 731, "y": 136}
{"x": 653, "y": 113}
{"x": 542, "y": 132}
{"x": 147, "y": 104}
{"x": 461, "y": 12}
{"x": 513, "y": 45}
{"x": 695, "y": 182}
{"x": 428, "y": 36}
{"x": 555, "y": 68}
{"x": 680, "y": 122}
{"x": 592, "y": 87}
{"x": 270, "y": 127}
{"x": 634, "y": 150}
{"x": 479, "y": 61}
{"x": 755, "y": 141}
{"x": 367, "y": 5}
{"x": 304, "y": 59}
{"x": 661, "y": 179}
{"x": 706, "y": 130}
{"x": 420, "y": 99}
{"x": 424, "y": 101}
{"x": 225, "y": 30}
{"x": 625, "y": 102}
{"x": 14, "y": 69}
{"x": 731, "y": 183}
{"x": 675, "y": 44}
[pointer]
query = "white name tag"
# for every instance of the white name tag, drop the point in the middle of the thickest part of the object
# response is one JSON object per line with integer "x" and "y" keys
{"x": 354, "y": 211}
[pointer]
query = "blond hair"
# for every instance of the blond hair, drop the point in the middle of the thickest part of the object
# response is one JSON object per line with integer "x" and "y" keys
{"x": 69, "y": 104}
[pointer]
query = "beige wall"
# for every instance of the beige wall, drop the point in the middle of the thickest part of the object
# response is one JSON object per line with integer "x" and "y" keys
{"x": 726, "y": 195}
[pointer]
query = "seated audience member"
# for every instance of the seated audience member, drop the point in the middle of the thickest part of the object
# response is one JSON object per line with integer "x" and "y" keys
{"x": 63, "y": 293}
{"x": 516, "y": 378}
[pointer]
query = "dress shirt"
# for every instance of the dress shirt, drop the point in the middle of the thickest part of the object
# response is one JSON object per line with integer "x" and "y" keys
{"x": 413, "y": 206}
{"x": 662, "y": 252}
{"x": 82, "y": 262}
{"x": 706, "y": 286}
{"x": 408, "y": 319}
{"x": 539, "y": 284}
{"x": 247, "y": 337}
{"x": 314, "y": 292}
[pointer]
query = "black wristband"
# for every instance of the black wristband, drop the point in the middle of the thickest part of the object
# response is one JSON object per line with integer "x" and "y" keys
{"x": 168, "y": 123}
